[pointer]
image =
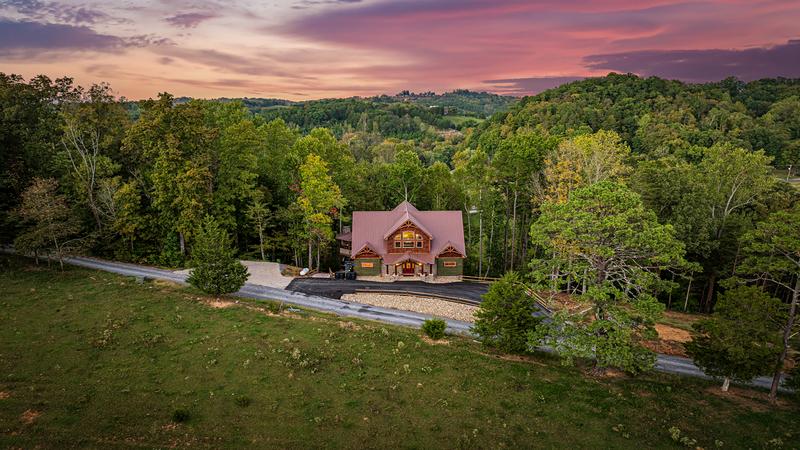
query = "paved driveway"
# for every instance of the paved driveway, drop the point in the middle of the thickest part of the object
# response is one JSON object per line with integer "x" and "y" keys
{"x": 470, "y": 292}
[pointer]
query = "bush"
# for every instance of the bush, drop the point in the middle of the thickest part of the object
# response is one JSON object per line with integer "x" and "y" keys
{"x": 180, "y": 416}
{"x": 434, "y": 328}
{"x": 216, "y": 270}
{"x": 505, "y": 317}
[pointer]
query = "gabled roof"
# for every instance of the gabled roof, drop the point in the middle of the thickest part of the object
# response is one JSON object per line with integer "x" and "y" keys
{"x": 443, "y": 227}
{"x": 396, "y": 258}
{"x": 407, "y": 217}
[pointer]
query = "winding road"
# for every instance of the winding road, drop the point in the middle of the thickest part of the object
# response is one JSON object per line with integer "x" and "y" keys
{"x": 665, "y": 363}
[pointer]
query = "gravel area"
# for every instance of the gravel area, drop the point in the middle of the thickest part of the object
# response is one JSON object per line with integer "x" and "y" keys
{"x": 424, "y": 305}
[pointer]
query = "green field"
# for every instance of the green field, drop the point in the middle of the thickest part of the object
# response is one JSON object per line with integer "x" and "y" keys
{"x": 92, "y": 359}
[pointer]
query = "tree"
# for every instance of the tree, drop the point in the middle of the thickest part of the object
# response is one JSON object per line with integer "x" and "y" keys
{"x": 93, "y": 127}
{"x": 216, "y": 270}
{"x": 53, "y": 226}
{"x": 584, "y": 160}
{"x": 506, "y": 315}
{"x": 258, "y": 214}
{"x": 605, "y": 240}
{"x": 320, "y": 199}
{"x": 772, "y": 253}
{"x": 742, "y": 339}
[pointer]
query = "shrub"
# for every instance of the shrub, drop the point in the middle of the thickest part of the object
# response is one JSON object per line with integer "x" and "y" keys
{"x": 216, "y": 270}
{"x": 180, "y": 416}
{"x": 505, "y": 317}
{"x": 434, "y": 328}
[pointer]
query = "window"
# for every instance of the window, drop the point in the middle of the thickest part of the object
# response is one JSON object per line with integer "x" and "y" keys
{"x": 408, "y": 235}
{"x": 367, "y": 265}
{"x": 450, "y": 264}
{"x": 419, "y": 237}
{"x": 396, "y": 244}
{"x": 408, "y": 244}
{"x": 419, "y": 244}
{"x": 397, "y": 237}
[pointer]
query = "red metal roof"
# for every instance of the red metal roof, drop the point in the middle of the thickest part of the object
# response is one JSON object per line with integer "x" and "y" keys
{"x": 444, "y": 227}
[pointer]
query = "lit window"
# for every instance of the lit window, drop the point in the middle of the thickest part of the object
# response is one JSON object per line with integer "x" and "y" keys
{"x": 450, "y": 264}
{"x": 367, "y": 265}
{"x": 397, "y": 237}
{"x": 419, "y": 237}
{"x": 408, "y": 235}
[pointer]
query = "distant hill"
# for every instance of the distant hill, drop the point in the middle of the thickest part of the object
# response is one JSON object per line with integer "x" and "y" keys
{"x": 658, "y": 116}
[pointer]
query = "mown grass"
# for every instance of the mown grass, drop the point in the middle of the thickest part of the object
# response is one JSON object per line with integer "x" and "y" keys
{"x": 106, "y": 362}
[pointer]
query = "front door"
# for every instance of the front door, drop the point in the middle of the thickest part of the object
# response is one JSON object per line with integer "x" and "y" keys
{"x": 408, "y": 268}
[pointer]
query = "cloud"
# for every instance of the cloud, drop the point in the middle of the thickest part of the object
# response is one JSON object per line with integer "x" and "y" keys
{"x": 25, "y": 39}
{"x": 43, "y": 10}
{"x": 305, "y": 4}
{"x": 527, "y": 86}
{"x": 705, "y": 65}
{"x": 189, "y": 20}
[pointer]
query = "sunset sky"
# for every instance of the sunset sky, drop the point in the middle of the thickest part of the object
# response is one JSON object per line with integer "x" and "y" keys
{"x": 305, "y": 49}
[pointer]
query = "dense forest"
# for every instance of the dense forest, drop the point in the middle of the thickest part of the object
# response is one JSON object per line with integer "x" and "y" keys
{"x": 632, "y": 194}
{"x": 133, "y": 180}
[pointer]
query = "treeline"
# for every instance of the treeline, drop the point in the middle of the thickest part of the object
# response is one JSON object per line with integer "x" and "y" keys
{"x": 141, "y": 179}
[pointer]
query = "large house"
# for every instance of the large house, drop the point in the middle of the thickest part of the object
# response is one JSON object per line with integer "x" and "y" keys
{"x": 405, "y": 242}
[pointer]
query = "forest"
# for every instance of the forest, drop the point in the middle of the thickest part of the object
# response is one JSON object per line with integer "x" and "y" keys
{"x": 134, "y": 180}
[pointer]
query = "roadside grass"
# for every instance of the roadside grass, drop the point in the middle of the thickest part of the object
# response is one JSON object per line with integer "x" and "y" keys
{"x": 93, "y": 359}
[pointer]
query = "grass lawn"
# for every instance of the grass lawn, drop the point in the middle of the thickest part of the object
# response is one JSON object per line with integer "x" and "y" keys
{"x": 93, "y": 359}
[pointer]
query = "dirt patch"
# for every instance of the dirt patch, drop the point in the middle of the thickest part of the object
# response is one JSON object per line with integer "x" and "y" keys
{"x": 4, "y": 395}
{"x": 29, "y": 416}
{"x": 430, "y": 341}
{"x": 219, "y": 304}
{"x": 670, "y": 333}
{"x": 347, "y": 325}
{"x": 672, "y": 348}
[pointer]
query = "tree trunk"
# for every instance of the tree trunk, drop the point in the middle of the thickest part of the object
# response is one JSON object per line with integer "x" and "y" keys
{"x": 712, "y": 279}
{"x": 688, "y": 290}
{"x": 725, "y": 384}
{"x": 514, "y": 230}
{"x": 310, "y": 261}
{"x": 787, "y": 333}
{"x": 183, "y": 243}
{"x": 505, "y": 234}
{"x": 261, "y": 243}
{"x": 318, "y": 245}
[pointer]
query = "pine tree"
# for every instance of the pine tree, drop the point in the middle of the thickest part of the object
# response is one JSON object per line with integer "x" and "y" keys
{"x": 742, "y": 338}
{"x": 216, "y": 270}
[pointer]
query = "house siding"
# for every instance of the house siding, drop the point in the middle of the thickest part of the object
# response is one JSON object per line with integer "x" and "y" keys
{"x": 441, "y": 270}
{"x": 368, "y": 271}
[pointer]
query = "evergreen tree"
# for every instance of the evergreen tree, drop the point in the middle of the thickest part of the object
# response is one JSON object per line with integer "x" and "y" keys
{"x": 742, "y": 339}
{"x": 216, "y": 270}
{"x": 506, "y": 315}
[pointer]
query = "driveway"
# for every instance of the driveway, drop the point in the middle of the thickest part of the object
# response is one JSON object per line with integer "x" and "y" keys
{"x": 325, "y": 287}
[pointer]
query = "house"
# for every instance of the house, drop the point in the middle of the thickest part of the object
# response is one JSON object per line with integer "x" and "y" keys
{"x": 405, "y": 242}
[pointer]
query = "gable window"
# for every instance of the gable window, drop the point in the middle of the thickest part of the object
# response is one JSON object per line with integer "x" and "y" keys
{"x": 419, "y": 244}
{"x": 408, "y": 235}
{"x": 396, "y": 244}
{"x": 408, "y": 244}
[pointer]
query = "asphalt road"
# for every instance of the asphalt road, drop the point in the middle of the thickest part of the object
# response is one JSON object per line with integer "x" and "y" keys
{"x": 336, "y": 288}
{"x": 665, "y": 363}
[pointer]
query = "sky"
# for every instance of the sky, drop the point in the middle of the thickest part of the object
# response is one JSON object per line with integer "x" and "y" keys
{"x": 308, "y": 49}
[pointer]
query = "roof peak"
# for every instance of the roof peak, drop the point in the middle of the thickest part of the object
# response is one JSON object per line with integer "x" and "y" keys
{"x": 406, "y": 206}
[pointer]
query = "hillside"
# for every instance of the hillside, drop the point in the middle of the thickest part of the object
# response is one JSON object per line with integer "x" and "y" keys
{"x": 657, "y": 116}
